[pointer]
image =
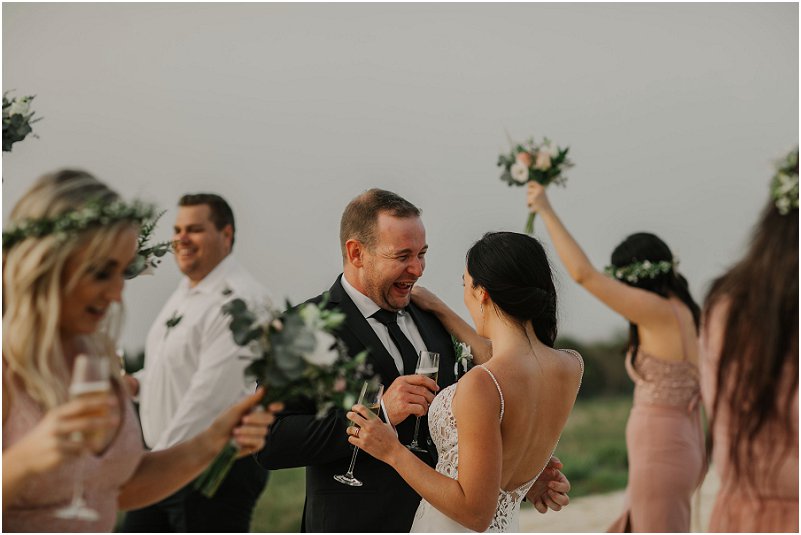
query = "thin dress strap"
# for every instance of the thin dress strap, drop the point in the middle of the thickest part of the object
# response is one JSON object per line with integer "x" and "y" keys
{"x": 494, "y": 380}
{"x": 674, "y": 306}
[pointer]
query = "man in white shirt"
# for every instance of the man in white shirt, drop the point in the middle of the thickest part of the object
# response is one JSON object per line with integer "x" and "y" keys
{"x": 193, "y": 369}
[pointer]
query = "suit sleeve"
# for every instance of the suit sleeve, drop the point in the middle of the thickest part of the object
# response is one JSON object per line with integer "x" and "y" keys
{"x": 299, "y": 438}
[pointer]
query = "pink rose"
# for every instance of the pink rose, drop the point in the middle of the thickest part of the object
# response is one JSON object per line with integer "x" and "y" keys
{"x": 340, "y": 384}
{"x": 524, "y": 158}
{"x": 543, "y": 162}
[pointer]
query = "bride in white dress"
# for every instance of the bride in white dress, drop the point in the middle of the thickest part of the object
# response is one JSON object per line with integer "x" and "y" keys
{"x": 496, "y": 429}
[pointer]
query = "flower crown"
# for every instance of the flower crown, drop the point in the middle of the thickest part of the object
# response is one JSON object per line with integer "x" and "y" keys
{"x": 641, "y": 270}
{"x": 784, "y": 187}
{"x": 96, "y": 212}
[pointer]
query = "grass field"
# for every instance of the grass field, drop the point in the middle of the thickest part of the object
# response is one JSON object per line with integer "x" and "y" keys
{"x": 592, "y": 448}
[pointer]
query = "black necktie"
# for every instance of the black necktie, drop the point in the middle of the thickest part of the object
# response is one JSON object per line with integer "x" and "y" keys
{"x": 407, "y": 350}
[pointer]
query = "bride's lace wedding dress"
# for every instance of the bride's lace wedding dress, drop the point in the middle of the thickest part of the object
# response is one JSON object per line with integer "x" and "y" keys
{"x": 442, "y": 426}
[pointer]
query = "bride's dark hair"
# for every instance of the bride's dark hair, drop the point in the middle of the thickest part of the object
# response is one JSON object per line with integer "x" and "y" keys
{"x": 514, "y": 270}
{"x": 643, "y": 246}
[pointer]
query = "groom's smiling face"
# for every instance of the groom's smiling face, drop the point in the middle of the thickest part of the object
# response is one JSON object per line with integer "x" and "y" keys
{"x": 394, "y": 263}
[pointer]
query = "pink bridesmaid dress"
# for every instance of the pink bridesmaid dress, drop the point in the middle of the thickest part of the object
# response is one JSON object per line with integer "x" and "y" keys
{"x": 769, "y": 503}
{"x": 665, "y": 444}
{"x": 104, "y": 474}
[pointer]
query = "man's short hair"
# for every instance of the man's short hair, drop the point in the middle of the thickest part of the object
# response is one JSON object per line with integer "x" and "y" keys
{"x": 220, "y": 211}
{"x": 360, "y": 218}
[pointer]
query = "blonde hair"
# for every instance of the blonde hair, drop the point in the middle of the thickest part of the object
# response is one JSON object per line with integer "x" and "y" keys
{"x": 34, "y": 283}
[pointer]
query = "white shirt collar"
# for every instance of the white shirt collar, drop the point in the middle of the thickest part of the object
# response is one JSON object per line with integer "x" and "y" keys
{"x": 365, "y": 305}
{"x": 210, "y": 282}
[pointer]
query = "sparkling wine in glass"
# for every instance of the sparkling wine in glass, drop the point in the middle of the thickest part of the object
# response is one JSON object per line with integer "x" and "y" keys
{"x": 90, "y": 379}
{"x": 428, "y": 366}
{"x": 370, "y": 397}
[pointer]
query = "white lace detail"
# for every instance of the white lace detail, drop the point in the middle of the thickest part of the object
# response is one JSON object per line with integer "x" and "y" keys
{"x": 442, "y": 427}
{"x": 494, "y": 380}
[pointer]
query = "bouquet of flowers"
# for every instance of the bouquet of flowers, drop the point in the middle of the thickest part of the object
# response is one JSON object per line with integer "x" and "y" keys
{"x": 297, "y": 357}
{"x": 540, "y": 162}
{"x": 17, "y": 121}
{"x": 148, "y": 257}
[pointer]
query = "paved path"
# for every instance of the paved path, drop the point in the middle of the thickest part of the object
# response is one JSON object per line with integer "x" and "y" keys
{"x": 595, "y": 513}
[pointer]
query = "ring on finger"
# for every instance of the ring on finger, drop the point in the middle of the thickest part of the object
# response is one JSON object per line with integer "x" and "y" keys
{"x": 356, "y": 433}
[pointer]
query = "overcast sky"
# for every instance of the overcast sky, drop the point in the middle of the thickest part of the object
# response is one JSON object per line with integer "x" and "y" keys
{"x": 673, "y": 113}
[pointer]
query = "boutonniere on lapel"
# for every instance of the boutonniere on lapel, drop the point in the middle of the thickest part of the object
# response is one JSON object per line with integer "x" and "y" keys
{"x": 464, "y": 357}
{"x": 173, "y": 321}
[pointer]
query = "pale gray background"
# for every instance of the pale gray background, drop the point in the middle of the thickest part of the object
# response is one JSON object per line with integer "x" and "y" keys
{"x": 674, "y": 114}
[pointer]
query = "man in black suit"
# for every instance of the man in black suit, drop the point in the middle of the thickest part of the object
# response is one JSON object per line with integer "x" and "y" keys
{"x": 383, "y": 249}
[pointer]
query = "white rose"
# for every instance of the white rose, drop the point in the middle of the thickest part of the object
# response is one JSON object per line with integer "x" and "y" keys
{"x": 310, "y": 315}
{"x": 20, "y": 105}
{"x": 519, "y": 172}
{"x": 323, "y": 354}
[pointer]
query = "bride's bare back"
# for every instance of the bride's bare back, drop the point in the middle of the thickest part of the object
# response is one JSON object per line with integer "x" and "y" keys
{"x": 539, "y": 390}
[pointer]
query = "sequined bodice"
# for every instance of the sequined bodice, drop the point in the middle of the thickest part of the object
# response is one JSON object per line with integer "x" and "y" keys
{"x": 673, "y": 383}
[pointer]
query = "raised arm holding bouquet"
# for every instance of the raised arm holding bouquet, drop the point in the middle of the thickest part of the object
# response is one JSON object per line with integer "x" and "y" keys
{"x": 543, "y": 163}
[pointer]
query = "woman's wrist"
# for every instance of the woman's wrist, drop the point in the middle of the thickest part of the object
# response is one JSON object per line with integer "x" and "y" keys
{"x": 396, "y": 454}
{"x": 210, "y": 442}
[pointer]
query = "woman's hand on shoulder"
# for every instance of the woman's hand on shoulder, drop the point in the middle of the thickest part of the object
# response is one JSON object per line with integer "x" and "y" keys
{"x": 60, "y": 435}
{"x": 245, "y": 422}
{"x": 425, "y": 298}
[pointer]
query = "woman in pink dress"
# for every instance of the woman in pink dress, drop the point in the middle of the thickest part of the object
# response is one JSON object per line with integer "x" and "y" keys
{"x": 749, "y": 365}
{"x": 664, "y": 436}
{"x": 65, "y": 256}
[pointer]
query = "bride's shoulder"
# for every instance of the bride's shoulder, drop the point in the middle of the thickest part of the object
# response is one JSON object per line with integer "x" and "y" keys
{"x": 477, "y": 383}
{"x": 572, "y": 361}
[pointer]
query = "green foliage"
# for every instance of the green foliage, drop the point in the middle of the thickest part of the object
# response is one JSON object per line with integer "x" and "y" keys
{"x": 17, "y": 120}
{"x": 604, "y": 367}
{"x": 593, "y": 445}
{"x": 148, "y": 256}
{"x": 298, "y": 356}
{"x": 280, "y": 508}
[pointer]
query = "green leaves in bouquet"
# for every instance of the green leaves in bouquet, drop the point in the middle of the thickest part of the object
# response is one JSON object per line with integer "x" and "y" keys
{"x": 557, "y": 164}
{"x": 147, "y": 256}
{"x": 298, "y": 355}
{"x": 17, "y": 120}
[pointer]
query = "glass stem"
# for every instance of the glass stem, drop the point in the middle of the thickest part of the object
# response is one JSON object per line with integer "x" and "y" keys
{"x": 77, "y": 489}
{"x": 352, "y": 462}
{"x": 416, "y": 431}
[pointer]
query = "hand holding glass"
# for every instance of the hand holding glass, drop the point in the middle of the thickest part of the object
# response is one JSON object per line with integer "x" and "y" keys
{"x": 428, "y": 366}
{"x": 370, "y": 397}
{"x": 90, "y": 379}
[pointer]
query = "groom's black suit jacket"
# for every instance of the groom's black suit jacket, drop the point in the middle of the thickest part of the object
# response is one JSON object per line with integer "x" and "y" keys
{"x": 385, "y": 503}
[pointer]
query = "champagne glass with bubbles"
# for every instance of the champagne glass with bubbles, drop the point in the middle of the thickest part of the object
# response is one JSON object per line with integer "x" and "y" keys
{"x": 427, "y": 366}
{"x": 370, "y": 397}
{"x": 90, "y": 379}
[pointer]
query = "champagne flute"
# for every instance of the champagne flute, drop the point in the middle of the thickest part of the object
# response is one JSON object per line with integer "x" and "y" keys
{"x": 370, "y": 397}
{"x": 90, "y": 379}
{"x": 428, "y": 366}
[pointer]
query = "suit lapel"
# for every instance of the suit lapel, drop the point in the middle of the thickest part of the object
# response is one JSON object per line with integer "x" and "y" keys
{"x": 357, "y": 326}
{"x": 434, "y": 342}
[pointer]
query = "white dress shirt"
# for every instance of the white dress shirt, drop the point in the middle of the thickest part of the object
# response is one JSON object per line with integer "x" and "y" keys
{"x": 193, "y": 370}
{"x": 368, "y": 307}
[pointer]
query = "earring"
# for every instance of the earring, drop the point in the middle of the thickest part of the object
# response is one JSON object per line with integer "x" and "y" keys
{"x": 481, "y": 307}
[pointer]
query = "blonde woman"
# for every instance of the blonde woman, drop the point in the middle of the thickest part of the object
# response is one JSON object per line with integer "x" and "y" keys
{"x": 65, "y": 256}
